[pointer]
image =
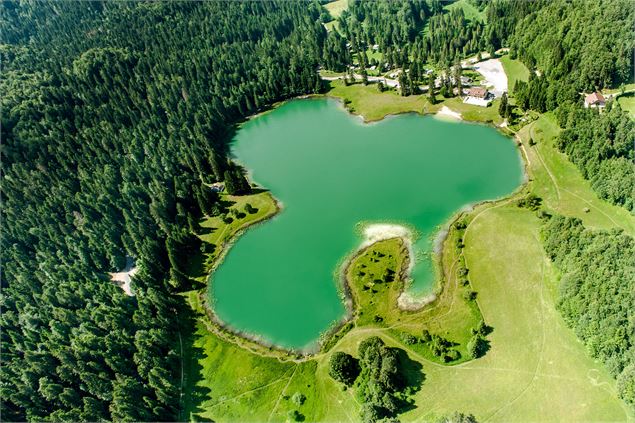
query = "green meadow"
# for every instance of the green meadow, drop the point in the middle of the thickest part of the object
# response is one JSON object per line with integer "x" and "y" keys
{"x": 546, "y": 372}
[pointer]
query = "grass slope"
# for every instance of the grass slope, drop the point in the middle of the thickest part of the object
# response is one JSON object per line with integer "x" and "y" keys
{"x": 220, "y": 232}
{"x": 559, "y": 182}
{"x": 335, "y": 9}
{"x": 515, "y": 70}
{"x": 375, "y": 296}
{"x": 373, "y": 105}
{"x": 469, "y": 10}
{"x": 627, "y": 102}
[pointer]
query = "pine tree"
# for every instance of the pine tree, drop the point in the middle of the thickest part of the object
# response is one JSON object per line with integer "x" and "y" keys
{"x": 502, "y": 108}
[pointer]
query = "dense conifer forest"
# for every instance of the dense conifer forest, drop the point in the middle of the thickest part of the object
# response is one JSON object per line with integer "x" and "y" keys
{"x": 115, "y": 116}
{"x": 573, "y": 49}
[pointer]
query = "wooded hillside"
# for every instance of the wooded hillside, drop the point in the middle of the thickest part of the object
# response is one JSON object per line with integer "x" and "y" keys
{"x": 114, "y": 116}
{"x": 597, "y": 293}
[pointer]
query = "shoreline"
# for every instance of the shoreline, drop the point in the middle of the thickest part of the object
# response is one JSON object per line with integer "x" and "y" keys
{"x": 405, "y": 301}
{"x": 222, "y": 328}
{"x": 445, "y": 113}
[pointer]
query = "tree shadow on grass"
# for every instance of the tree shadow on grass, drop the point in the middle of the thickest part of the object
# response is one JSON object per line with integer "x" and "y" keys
{"x": 413, "y": 378}
{"x": 483, "y": 347}
{"x": 193, "y": 395}
{"x": 487, "y": 329}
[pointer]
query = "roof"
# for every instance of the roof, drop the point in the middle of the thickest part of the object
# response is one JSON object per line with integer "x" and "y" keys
{"x": 477, "y": 92}
{"x": 594, "y": 98}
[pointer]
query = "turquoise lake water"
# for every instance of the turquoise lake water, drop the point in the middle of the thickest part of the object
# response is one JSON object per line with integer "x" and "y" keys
{"x": 331, "y": 171}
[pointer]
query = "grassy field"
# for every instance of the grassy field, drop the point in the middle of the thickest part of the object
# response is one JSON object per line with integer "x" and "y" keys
{"x": 627, "y": 102}
{"x": 543, "y": 368}
{"x": 535, "y": 369}
{"x": 559, "y": 182}
{"x": 475, "y": 113}
{"x": 515, "y": 70}
{"x": 546, "y": 373}
{"x": 218, "y": 232}
{"x": 335, "y": 9}
{"x": 375, "y": 283}
{"x": 373, "y": 105}
{"x": 470, "y": 11}
{"x": 627, "y": 87}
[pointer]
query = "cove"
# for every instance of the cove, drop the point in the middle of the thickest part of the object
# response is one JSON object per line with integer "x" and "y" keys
{"x": 330, "y": 171}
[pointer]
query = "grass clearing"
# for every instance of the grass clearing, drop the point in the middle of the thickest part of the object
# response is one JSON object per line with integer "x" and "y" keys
{"x": 335, "y": 8}
{"x": 469, "y": 10}
{"x": 218, "y": 232}
{"x": 330, "y": 25}
{"x": 255, "y": 380}
{"x": 627, "y": 87}
{"x": 627, "y": 103}
{"x": 515, "y": 70}
{"x": 328, "y": 73}
{"x": 559, "y": 182}
{"x": 373, "y": 105}
{"x": 472, "y": 113}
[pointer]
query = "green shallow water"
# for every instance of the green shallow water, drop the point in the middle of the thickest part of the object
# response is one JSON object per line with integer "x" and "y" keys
{"x": 331, "y": 171}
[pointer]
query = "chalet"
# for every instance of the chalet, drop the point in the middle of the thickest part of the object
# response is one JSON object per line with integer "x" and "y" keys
{"x": 595, "y": 99}
{"x": 217, "y": 187}
{"x": 478, "y": 92}
{"x": 478, "y": 96}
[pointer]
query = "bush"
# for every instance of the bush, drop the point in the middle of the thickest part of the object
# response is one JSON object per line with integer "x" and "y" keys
{"x": 295, "y": 416}
{"x": 476, "y": 346}
{"x": 531, "y": 202}
{"x": 469, "y": 295}
{"x": 451, "y": 355}
{"x": 343, "y": 368}
{"x": 298, "y": 398}
{"x": 250, "y": 209}
{"x": 409, "y": 339}
{"x": 457, "y": 417}
{"x": 460, "y": 224}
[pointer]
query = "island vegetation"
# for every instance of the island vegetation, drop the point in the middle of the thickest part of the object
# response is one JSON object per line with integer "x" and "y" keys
{"x": 115, "y": 121}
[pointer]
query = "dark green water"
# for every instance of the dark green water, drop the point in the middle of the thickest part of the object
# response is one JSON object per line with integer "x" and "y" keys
{"x": 331, "y": 171}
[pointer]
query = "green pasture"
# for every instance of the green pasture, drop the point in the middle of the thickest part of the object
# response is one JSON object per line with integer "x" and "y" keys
{"x": 535, "y": 368}
{"x": 515, "y": 70}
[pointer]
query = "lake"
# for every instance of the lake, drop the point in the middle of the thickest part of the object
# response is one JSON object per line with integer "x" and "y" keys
{"x": 331, "y": 171}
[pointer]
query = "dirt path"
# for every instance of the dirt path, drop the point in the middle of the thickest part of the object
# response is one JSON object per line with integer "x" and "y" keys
{"x": 273, "y": 410}
{"x": 242, "y": 394}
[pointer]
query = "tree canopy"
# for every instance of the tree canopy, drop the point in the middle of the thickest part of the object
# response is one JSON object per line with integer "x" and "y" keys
{"x": 597, "y": 292}
{"x": 114, "y": 120}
